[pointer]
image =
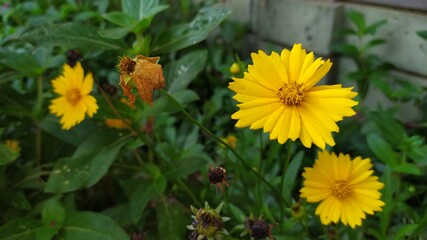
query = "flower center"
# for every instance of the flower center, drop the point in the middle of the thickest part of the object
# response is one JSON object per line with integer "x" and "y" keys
{"x": 341, "y": 189}
{"x": 73, "y": 96}
{"x": 291, "y": 93}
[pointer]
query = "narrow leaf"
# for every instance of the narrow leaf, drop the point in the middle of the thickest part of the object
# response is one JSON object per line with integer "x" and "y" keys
{"x": 7, "y": 155}
{"x": 290, "y": 176}
{"x": 382, "y": 149}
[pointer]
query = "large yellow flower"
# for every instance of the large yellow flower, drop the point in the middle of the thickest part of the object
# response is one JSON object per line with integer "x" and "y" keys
{"x": 278, "y": 94}
{"x": 345, "y": 188}
{"x": 74, "y": 101}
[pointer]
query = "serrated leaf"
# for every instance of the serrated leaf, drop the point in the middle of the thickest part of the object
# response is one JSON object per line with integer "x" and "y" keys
{"x": 184, "y": 70}
{"x": 72, "y": 35}
{"x": 382, "y": 149}
{"x": 185, "y": 35}
{"x": 7, "y": 155}
{"x": 90, "y": 225}
{"x": 88, "y": 165}
{"x": 143, "y": 194}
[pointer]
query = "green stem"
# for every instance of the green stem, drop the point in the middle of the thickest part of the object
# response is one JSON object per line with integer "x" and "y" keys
{"x": 37, "y": 115}
{"x": 189, "y": 192}
{"x": 36, "y": 175}
{"x": 259, "y": 170}
{"x": 217, "y": 139}
{"x": 282, "y": 180}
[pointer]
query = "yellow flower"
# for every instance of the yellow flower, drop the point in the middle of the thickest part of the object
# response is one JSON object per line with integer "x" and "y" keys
{"x": 345, "y": 188}
{"x": 74, "y": 100}
{"x": 278, "y": 94}
{"x": 231, "y": 141}
{"x": 13, "y": 145}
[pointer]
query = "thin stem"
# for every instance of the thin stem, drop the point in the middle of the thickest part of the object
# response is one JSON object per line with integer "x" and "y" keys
{"x": 282, "y": 181}
{"x": 36, "y": 175}
{"x": 128, "y": 126}
{"x": 125, "y": 166}
{"x": 189, "y": 192}
{"x": 217, "y": 139}
{"x": 37, "y": 113}
{"x": 259, "y": 170}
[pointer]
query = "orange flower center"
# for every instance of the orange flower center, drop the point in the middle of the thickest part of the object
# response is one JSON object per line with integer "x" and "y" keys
{"x": 73, "y": 96}
{"x": 291, "y": 93}
{"x": 340, "y": 189}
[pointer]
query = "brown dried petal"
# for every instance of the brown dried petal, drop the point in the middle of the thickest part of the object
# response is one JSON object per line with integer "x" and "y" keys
{"x": 126, "y": 89}
{"x": 148, "y": 76}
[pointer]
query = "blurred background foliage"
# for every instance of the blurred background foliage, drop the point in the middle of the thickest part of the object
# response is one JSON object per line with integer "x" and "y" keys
{"x": 98, "y": 182}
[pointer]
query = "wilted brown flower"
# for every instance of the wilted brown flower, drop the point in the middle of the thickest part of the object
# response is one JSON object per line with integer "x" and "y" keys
{"x": 141, "y": 72}
{"x": 218, "y": 177}
{"x": 258, "y": 228}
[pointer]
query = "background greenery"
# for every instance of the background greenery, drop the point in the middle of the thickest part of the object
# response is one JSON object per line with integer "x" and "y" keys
{"x": 96, "y": 182}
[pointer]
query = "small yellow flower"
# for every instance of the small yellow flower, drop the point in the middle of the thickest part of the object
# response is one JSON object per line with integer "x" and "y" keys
{"x": 230, "y": 140}
{"x": 75, "y": 100}
{"x": 116, "y": 123}
{"x": 278, "y": 94}
{"x": 345, "y": 188}
{"x": 234, "y": 68}
{"x": 13, "y": 145}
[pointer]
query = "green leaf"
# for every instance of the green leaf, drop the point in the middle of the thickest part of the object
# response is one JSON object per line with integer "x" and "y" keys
{"x": 88, "y": 165}
{"x": 404, "y": 231}
{"x": 422, "y": 226}
{"x": 91, "y": 226}
{"x": 23, "y": 62}
{"x": 72, "y": 35}
{"x": 372, "y": 43}
{"x": 20, "y": 229}
{"x": 422, "y": 34}
{"x": 194, "y": 159}
{"x": 382, "y": 149}
{"x": 185, "y": 35}
{"x": 184, "y": 70}
{"x": 142, "y": 9}
{"x": 143, "y": 194}
{"x": 121, "y": 19}
{"x": 372, "y": 29}
{"x": 391, "y": 129}
{"x": 290, "y": 176}
{"x": 171, "y": 219}
{"x": 165, "y": 105}
{"x": 53, "y": 215}
{"x": 408, "y": 168}
{"x": 7, "y": 155}
{"x": 115, "y": 33}
{"x": 348, "y": 50}
{"x": 358, "y": 20}
{"x": 74, "y": 136}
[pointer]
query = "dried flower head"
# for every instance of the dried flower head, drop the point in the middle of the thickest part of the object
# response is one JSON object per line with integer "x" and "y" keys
{"x": 258, "y": 228}
{"x": 141, "y": 72}
{"x": 207, "y": 224}
{"x": 218, "y": 177}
